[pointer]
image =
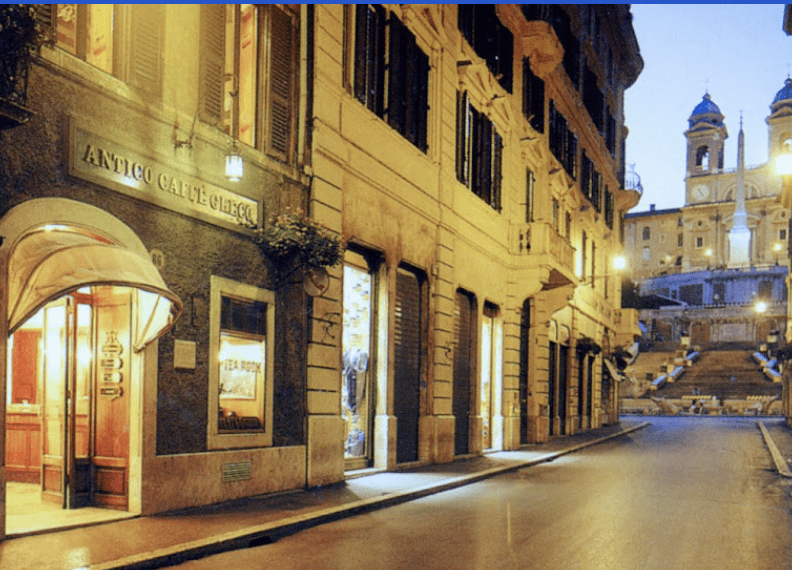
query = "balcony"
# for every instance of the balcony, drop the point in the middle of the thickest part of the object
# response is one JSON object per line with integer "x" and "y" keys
{"x": 545, "y": 246}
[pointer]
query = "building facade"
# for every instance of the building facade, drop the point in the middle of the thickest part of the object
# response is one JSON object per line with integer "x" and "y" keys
{"x": 471, "y": 159}
{"x": 719, "y": 261}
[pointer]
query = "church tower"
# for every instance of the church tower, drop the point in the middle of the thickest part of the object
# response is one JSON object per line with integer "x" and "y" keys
{"x": 780, "y": 121}
{"x": 706, "y": 136}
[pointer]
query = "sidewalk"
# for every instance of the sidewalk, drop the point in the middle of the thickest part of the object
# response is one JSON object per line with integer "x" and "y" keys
{"x": 779, "y": 436}
{"x": 159, "y": 541}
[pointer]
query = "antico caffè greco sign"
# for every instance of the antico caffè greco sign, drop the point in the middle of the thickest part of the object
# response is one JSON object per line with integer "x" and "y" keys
{"x": 110, "y": 164}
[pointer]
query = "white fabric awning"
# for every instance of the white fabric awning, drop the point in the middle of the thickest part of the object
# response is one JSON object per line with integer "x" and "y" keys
{"x": 46, "y": 265}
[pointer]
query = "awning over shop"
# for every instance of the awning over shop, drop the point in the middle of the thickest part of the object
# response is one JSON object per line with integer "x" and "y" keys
{"x": 49, "y": 263}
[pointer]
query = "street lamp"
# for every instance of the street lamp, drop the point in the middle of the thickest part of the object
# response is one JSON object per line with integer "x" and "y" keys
{"x": 760, "y": 307}
{"x": 708, "y": 254}
{"x": 776, "y": 248}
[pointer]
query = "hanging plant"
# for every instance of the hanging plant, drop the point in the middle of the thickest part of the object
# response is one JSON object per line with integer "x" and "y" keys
{"x": 20, "y": 35}
{"x": 294, "y": 236}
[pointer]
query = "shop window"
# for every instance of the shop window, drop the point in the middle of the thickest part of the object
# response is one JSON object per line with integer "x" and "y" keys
{"x": 490, "y": 39}
{"x": 358, "y": 345}
{"x": 391, "y": 73}
{"x": 248, "y": 72}
{"x": 94, "y": 33}
{"x": 533, "y": 97}
{"x": 241, "y": 365}
{"x": 479, "y": 152}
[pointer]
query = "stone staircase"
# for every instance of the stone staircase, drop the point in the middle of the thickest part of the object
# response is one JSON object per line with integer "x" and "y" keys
{"x": 724, "y": 374}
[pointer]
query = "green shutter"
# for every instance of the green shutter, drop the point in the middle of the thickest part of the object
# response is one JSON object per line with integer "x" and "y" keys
{"x": 281, "y": 83}
{"x": 145, "y": 61}
{"x": 212, "y": 64}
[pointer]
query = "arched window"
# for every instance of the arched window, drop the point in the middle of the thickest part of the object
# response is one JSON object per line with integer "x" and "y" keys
{"x": 702, "y": 157}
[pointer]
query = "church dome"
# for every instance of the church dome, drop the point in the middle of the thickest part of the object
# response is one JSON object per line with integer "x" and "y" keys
{"x": 706, "y": 112}
{"x": 785, "y": 94}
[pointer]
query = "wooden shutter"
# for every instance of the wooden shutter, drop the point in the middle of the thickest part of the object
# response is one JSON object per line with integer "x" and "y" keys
{"x": 212, "y": 62}
{"x": 420, "y": 98}
{"x": 282, "y": 65}
{"x": 361, "y": 41}
{"x": 463, "y": 367}
{"x": 398, "y": 64}
{"x": 145, "y": 57}
{"x": 463, "y": 139}
{"x": 407, "y": 367}
{"x": 45, "y": 14}
{"x": 497, "y": 169}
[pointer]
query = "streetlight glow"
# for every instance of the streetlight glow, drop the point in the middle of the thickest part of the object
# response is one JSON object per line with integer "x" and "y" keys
{"x": 761, "y": 307}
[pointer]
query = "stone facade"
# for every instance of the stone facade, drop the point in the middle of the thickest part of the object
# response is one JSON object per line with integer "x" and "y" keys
{"x": 477, "y": 187}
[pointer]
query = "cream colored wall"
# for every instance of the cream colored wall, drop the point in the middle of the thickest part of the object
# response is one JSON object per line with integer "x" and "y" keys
{"x": 379, "y": 191}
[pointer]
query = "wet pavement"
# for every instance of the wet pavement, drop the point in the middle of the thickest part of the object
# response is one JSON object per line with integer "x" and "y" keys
{"x": 684, "y": 492}
{"x": 158, "y": 541}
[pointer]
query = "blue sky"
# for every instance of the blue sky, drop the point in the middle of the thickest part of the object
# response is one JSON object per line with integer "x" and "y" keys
{"x": 737, "y": 52}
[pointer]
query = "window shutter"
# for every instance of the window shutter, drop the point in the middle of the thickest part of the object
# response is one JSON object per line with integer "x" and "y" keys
{"x": 145, "y": 64}
{"x": 281, "y": 84}
{"x": 212, "y": 63}
{"x": 421, "y": 98}
{"x": 45, "y": 14}
{"x": 464, "y": 136}
{"x": 398, "y": 65}
{"x": 497, "y": 170}
{"x": 361, "y": 43}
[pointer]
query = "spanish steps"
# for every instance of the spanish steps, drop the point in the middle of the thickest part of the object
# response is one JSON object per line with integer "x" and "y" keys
{"x": 724, "y": 374}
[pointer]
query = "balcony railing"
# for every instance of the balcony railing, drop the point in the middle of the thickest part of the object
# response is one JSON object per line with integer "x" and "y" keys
{"x": 540, "y": 238}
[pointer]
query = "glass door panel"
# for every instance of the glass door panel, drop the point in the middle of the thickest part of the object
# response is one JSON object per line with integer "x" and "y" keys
{"x": 356, "y": 378}
{"x": 55, "y": 366}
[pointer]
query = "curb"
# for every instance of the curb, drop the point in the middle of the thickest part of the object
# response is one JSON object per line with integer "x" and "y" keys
{"x": 778, "y": 459}
{"x": 258, "y": 535}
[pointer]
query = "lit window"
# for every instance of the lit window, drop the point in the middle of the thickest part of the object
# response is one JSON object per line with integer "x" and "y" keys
{"x": 241, "y": 365}
{"x": 92, "y": 32}
{"x": 249, "y": 74}
{"x": 646, "y": 254}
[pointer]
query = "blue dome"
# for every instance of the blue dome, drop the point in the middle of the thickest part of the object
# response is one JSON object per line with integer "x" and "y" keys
{"x": 785, "y": 94}
{"x": 706, "y": 111}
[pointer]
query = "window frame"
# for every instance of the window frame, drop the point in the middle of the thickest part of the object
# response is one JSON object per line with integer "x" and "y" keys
{"x": 478, "y": 138}
{"x": 136, "y": 58}
{"x": 221, "y": 287}
{"x": 396, "y": 89}
{"x": 275, "y": 103}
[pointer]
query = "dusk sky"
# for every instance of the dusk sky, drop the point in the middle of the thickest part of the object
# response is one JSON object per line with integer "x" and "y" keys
{"x": 738, "y": 53}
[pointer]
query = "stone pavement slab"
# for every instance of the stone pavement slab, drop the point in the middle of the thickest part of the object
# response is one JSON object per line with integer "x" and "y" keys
{"x": 158, "y": 541}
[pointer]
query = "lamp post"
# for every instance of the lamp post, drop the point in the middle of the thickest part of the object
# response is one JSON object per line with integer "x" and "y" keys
{"x": 708, "y": 254}
{"x": 776, "y": 248}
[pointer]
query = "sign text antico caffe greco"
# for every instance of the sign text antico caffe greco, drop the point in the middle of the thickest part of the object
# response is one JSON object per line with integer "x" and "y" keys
{"x": 107, "y": 163}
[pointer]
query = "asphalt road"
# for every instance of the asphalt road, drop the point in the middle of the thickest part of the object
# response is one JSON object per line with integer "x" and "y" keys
{"x": 683, "y": 493}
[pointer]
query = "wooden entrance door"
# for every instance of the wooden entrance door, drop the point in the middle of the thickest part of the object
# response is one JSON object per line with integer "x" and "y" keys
{"x": 85, "y": 410}
{"x": 113, "y": 349}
